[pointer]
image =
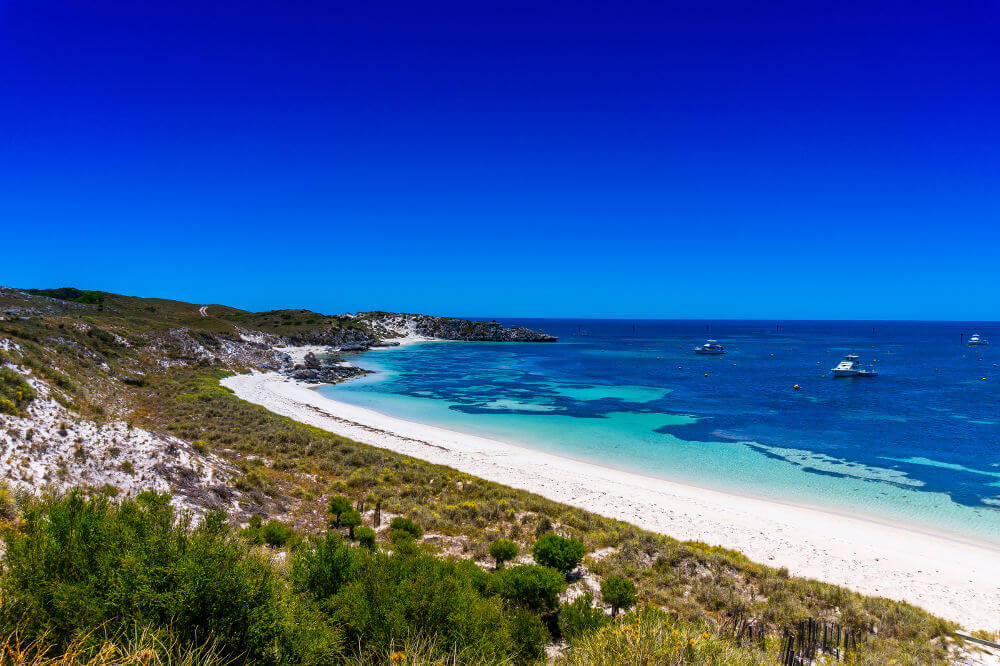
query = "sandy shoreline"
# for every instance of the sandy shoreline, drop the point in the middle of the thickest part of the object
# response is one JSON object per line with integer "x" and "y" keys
{"x": 956, "y": 580}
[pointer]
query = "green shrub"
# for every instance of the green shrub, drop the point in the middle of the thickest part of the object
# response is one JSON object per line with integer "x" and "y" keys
{"x": 400, "y": 536}
{"x": 383, "y": 600}
{"x": 306, "y": 635}
{"x": 534, "y": 587}
{"x": 254, "y": 480}
{"x": 253, "y": 532}
{"x": 403, "y": 544}
{"x": 15, "y": 392}
{"x": 618, "y": 593}
{"x": 79, "y": 565}
{"x": 366, "y": 536}
{"x": 558, "y": 552}
{"x": 339, "y": 505}
{"x": 324, "y": 568}
{"x": 528, "y": 635}
{"x": 406, "y": 525}
{"x": 580, "y": 617}
{"x": 276, "y": 533}
{"x": 503, "y": 550}
{"x": 350, "y": 520}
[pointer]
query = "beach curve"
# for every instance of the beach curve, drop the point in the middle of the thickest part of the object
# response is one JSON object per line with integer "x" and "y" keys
{"x": 954, "y": 579}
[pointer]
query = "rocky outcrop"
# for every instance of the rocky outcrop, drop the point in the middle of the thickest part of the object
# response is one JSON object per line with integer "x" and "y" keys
{"x": 327, "y": 374}
{"x": 316, "y": 370}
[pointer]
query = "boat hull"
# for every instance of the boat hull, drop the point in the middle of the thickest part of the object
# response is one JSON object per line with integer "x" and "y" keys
{"x": 709, "y": 352}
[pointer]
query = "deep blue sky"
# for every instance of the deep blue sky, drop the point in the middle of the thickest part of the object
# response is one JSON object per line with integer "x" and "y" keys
{"x": 662, "y": 159}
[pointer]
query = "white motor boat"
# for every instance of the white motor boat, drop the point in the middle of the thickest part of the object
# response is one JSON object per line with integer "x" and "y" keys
{"x": 851, "y": 367}
{"x": 976, "y": 340}
{"x": 710, "y": 347}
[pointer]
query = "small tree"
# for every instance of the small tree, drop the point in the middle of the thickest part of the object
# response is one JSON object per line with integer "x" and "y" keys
{"x": 618, "y": 593}
{"x": 531, "y": 586}
{"x": 503, "y": 550}
{"x": 338, "y": 505}
{"x": 365, "y": 536}
{"x": 558, "y": 552}
{"x": 350, "y": 519}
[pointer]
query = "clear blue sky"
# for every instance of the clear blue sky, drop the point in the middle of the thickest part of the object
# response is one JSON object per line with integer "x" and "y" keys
{"x": 661, "y": 159}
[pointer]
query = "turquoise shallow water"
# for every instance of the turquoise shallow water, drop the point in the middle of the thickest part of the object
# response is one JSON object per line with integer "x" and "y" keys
{"x": 920, "y": 444}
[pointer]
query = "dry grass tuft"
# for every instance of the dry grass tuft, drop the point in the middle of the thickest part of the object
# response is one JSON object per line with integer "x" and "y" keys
{"x": 145, "y": 647}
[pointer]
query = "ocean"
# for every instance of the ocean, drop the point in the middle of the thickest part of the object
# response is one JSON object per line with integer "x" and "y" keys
{"x": 917, "y": 445}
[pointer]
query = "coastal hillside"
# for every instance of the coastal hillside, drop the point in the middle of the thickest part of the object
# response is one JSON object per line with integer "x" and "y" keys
{"x": 364, "y": 330}
{"x": 151, "y": 515}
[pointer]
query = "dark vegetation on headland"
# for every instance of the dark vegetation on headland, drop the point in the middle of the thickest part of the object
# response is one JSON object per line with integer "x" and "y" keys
{"x": 369, "y": 329}
{"x": 441, "y": 574}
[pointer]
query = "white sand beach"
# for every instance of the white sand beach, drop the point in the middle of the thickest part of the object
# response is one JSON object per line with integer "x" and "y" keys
{"x": 952, "y": 578}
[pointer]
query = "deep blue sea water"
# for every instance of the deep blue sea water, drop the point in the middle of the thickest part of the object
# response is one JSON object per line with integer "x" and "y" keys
{"x": 918, "y": 444}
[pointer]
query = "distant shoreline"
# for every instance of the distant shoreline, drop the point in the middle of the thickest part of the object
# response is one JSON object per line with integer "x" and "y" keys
{"x": 955, "y": 579}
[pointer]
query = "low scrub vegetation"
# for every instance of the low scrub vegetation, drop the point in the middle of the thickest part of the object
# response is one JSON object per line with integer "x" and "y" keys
{"x": 81, "y": 573}
{"x": 15, "y": 391}
{"x": 88, "y": 580}
{"x": 75, "y": 566}
{"x": 652, "y": 636}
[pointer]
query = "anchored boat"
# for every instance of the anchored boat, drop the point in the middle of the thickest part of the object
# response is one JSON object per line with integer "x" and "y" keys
{"x": 711, "y": 347}
{"x": 851, "y": 367}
